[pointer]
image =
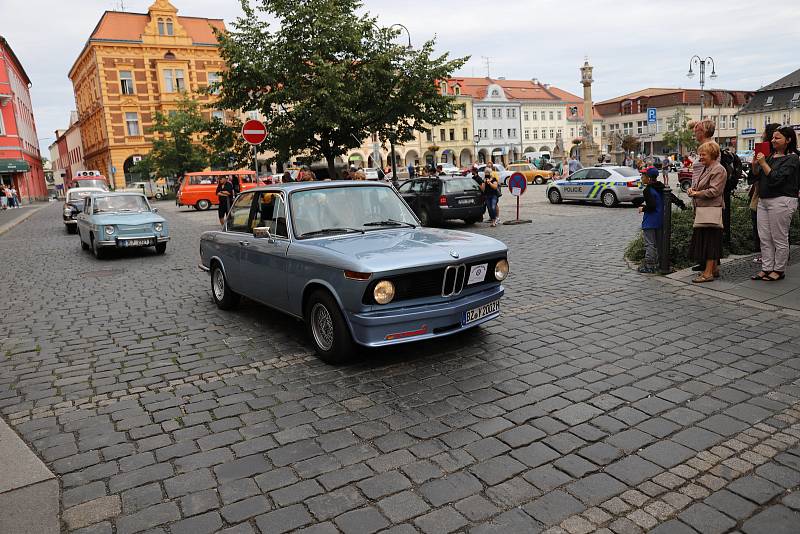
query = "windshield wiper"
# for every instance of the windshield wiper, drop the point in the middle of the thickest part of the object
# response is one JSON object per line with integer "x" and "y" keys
{"x": 390, "y": 222}
{"x": 343, "y": 230}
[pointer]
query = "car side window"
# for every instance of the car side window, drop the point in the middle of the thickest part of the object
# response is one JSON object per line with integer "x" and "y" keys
{"x": 418, "y": 186}
{"x": 239, "y": 215}
{"x": 598, "y": 174}
{"x": 405, "y": 188}
{"x": 86, "y": 205}
{"x": 270, "y": 212}
{"x": 579, "y": 175}
{"x": 431, "y": 186}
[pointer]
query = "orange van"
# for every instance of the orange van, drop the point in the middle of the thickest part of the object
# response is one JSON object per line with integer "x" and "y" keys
{"x": 199, "y": 189}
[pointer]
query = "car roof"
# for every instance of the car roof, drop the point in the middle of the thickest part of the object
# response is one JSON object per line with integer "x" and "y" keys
{"x": 306, "y": 186}
{"x": 102, "y": 193}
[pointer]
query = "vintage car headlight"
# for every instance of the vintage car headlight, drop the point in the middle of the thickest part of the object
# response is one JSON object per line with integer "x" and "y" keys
{"x": 68, "y": 211}
{"x": 383, "y": 292}
{"x": 158, "y": 227}
{"x": 109, "y": 230}
{"x": 501, "y": 270}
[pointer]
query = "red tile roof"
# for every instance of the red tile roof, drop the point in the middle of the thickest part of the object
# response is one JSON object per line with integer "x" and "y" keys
{"x": 514, "y": 89}
{"x": 120, "y": 26}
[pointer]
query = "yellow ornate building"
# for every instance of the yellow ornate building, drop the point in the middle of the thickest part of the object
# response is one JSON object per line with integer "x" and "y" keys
{"x": 134, "y": 65}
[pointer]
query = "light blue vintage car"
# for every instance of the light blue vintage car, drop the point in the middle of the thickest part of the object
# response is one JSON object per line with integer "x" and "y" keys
{"x": 122, "y": 220}
{"x": 352, "y": 261}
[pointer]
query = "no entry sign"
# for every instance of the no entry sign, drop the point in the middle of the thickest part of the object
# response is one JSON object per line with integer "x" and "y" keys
{"x": 254, "y": 132}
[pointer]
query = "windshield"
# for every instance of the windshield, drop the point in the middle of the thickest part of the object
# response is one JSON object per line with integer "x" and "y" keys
{"x": 627, "y": 172}
{"x": 91, "y": 183}
{"x": 460, "y": 185}
{"x": 134, "y": 203}
{"x": 334, "y": 210}
{"x": 78, "y": 196}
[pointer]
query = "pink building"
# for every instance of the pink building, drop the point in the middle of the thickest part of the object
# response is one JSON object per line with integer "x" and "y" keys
{"x": 20, "y": 160}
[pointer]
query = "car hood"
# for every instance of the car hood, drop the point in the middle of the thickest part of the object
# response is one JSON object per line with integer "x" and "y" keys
{"x": 396, "y": 249}
{"x": 127, "y": 218}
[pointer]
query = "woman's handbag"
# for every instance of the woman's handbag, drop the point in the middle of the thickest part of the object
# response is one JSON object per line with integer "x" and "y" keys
{"x": 708, "y": 217}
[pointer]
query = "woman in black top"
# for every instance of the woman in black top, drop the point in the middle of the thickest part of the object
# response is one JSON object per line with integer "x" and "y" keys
{"x": 225, "y": 195}
{"x": 491, "y": 194}
{"x": 778, "y": 183}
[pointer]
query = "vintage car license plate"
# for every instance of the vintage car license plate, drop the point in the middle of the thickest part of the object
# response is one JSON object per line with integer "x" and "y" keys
{"x": 466, "y": 201}
{"x": 135, "y": 242}
{"x": 470, "y": 316}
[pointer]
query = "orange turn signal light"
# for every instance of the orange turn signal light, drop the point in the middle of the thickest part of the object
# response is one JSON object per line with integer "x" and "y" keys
{"x": 352, "y": 275}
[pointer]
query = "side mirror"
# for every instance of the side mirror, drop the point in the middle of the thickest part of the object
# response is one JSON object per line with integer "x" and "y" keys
{"x": 261, "y": 232}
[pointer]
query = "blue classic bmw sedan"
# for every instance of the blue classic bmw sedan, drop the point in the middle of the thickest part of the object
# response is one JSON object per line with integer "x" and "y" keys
{"x": 353, "y": 262}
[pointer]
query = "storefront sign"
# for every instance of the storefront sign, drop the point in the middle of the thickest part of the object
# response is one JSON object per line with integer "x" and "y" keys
{"x": 748, "y": 131}
{"x": 14, "y": 165}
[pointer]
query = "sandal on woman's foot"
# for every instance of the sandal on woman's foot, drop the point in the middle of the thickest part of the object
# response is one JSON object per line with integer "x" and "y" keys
{"x": 760, "y": 275}
{"x": 771, "y": 277}
{"x": 702, "y": 279}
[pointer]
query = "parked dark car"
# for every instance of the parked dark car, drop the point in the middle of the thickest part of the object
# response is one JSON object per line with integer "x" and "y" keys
{"x": 685, "y": 178}
{"x": 444, "y": 198}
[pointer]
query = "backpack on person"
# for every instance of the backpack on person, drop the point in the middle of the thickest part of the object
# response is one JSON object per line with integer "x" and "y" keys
{"x": 733, "y": 167}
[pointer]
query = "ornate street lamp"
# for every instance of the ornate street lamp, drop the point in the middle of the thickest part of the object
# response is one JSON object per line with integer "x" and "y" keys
{"x": 477, "y": 139}
{"x": 696, "y": 60}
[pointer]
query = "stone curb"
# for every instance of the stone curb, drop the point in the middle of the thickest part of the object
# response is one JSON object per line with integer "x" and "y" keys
{"x": 30, "y": 212}
{"x": 29, "y": 492}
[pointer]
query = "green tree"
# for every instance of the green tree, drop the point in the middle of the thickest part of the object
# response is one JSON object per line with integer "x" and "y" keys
{"x": 678, "y": 135}
{"x": 328, "y": 77}
{"x": 176, "y": 142}
{"x": 630, "y": 144}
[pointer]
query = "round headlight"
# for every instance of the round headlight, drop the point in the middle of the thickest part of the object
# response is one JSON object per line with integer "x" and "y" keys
{"x": 384, "y": 292}
{"x": 158, "y": 227}
{"x": 67, "y": 211}
{"x": 501, "y": 270}
{"x": 109, "y": 230}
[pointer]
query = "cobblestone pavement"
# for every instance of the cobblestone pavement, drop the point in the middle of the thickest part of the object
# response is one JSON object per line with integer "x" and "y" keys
{"x": 601, "y": 401}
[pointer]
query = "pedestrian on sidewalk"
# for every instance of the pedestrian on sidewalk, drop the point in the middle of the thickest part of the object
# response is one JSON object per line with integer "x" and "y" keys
{"x": 752, "y": 180}
{"x": 9, "y": 197}
{"x": 652, "y": 217}
{"x": 665, "y": 164}
{"x": 225, "y": 195}
{"x": 778, "y": 184}
{"x": 706, "y": 243}
{"x": 3, "y": 200}
{"x": 491, "y": 193}
{"x": 703, "y": 131}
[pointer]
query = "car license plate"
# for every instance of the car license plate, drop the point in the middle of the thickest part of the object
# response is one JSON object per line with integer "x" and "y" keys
{"x": 466, "y": 201}
{"x": 135, "y": 242}
{"x": 475, "y": 314}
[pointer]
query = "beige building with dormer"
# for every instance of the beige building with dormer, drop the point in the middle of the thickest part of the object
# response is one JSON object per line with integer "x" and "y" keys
{"x": 134, "y": 65}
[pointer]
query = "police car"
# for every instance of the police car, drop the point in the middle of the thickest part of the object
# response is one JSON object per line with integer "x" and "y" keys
{"x": 609, "y": 185}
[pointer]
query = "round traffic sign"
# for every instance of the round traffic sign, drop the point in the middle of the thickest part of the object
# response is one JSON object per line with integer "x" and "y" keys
{"x": 517, "y": 184}
{"x": 254, "y": 132}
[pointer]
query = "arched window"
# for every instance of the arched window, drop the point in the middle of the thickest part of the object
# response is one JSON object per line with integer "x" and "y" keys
{"x": 160, "y": 26}
{"x": 169, "y": 27}
{"x": 443, "y": 87}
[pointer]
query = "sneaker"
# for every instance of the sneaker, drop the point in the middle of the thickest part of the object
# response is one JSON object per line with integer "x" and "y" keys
{"x": 647, "y": 270}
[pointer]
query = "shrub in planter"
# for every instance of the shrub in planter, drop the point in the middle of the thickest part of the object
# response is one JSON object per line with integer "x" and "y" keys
{"x": 682, "y": 224}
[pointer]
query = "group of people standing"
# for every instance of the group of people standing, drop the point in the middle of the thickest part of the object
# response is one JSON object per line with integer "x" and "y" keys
{"x": 8, "y": 197}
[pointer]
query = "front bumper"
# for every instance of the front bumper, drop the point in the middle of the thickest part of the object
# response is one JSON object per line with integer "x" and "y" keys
{"x": 115, "y": 241}
{"x": 69, "y": 221}
{"x": 427, "y": 321}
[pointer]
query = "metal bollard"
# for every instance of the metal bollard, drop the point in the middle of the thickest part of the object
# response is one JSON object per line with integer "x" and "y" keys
{"x": 665, "y": 243}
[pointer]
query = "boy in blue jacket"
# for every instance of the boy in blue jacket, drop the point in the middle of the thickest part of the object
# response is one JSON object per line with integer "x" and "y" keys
{"x": 652, "y": 217}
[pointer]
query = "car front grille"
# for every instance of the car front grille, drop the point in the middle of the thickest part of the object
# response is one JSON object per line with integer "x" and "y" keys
{"x": 130, "y": 229}
{"x": 443, "y": 282}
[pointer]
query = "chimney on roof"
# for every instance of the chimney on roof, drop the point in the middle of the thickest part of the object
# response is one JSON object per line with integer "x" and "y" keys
{"x": 535, "y": 81}
{"x": 546, "y": 86}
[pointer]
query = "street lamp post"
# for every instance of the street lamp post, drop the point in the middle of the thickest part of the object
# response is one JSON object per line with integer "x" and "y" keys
{"x": 477, "y": 139}
{"x": 696, "y": 60}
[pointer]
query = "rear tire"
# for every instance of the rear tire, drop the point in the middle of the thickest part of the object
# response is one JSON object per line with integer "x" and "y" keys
{"x": 538, "y": 180}
{"x": 159, "y": 196}
{"x": 224, "y": 297}
{"x": 202, "y": 205}
{"x": 554, "y": 196}
{"x": 328, "y": 329}
{"x": 609, "y": 199}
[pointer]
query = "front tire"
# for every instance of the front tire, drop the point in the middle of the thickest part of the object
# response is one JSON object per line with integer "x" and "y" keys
{"x": 538, "y": 180}
{"x": 161, "y": 248}
{"x": 84, "y": 245}
{"x": 327, "y": 328}
{"x": 224, "y": 297}
{"x": 202, "y": 205}
{"x": 98, "y": 251}
{"x": 554, "y": 196}
{"x": 609, "y": 199}
{"x": 159, "y": 196}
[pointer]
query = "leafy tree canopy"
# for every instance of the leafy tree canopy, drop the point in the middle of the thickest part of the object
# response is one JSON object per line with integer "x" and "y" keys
{"x": 326, "y": 77}
{"x": 176, "y": 149}
{"x": 678, "y": 134}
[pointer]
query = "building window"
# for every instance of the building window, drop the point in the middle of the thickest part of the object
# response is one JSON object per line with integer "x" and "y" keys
{"x": 463, "y": 112}
{"x": 443, "y": 87}
{"x": 534, "y": 115}
{"x": 640, "y": 126}
{"x": 769, "y": 101}
{"x": 456, "y": 90}
{"x": 723, "y": 122}
{"x": 465, "y": 134}
{"x": 527, "y": 134}
{"x": 213, "y": 77}
{"x": 126, "y": 82}
{"x": 428, "y": 137}
{"x": 559, "y": 115}
{"x": 218, "y": 115}
{"x": 132, "y": 123}
{"x": 441, "y": 135}
{"x": 572, "y": 133}
{"x": 526, "y": 115}
{"x": 552, "y": 133}
{"x": 768, "y": 119}
{"x": 551, "y": 115}
{"x": 161, "y": 27}
{"x": 452, "y": 133}
{"x": 169, "y": 27}
{"x": 173, "y": 81}
{"x": 536, "y": 134}
{"x": 786, "y": 120}
{"x": 559, "y": 132}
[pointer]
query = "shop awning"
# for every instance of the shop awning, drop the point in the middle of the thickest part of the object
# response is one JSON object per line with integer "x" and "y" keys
{"x": 355, "y": 157}
{"x": 14, "y": 165}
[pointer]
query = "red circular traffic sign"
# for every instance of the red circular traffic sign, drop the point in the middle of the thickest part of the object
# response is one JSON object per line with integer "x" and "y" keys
{"x": 517, "y": 182}
{"x": 254, "y": 132}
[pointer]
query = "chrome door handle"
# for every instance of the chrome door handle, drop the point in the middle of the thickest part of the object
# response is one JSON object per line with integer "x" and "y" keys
{"x": 244, "y": 243}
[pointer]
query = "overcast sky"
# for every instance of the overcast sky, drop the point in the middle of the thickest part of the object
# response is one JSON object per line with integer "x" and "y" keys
{"x": 632, "y": 44}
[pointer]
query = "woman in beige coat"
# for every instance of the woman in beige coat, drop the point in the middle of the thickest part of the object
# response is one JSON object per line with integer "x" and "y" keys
{"x": 706, "y": 244}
